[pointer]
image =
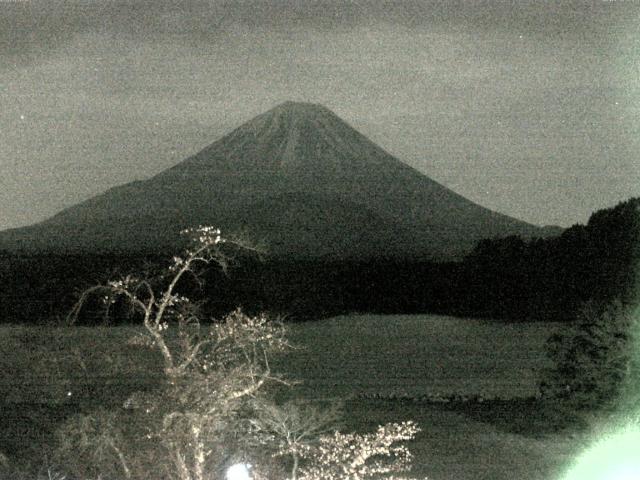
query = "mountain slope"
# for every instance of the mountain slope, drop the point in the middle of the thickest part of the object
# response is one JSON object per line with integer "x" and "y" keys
{"x": 294, "y": 169}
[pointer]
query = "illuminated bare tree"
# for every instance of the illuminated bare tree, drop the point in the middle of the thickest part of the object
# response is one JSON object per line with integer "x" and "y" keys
{"x": 210, "y": 371}
{"x": 211, "y": 392}
{"x": 291, "y": 426}
{"x": 354, "y": 456}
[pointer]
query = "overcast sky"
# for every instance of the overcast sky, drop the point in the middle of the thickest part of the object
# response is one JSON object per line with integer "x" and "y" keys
{"x": 528, "y": 108}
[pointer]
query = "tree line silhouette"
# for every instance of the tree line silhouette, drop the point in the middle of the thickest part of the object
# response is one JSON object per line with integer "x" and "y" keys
{"x": 506, "y": 278}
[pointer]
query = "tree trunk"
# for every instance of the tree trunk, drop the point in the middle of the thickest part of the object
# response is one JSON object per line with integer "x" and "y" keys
{"x": 183, "y": 470}
{"x": 199, "y": 463}
{"x": 198, "y": 455}
{"x": 123, "y": 461}
{"x": 294, "y": 469}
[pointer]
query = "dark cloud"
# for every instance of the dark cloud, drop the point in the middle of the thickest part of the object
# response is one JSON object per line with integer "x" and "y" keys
{"x": 29, "y": 28}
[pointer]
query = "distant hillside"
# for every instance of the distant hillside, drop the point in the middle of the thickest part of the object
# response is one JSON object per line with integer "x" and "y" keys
{"x": 299, "y": 179}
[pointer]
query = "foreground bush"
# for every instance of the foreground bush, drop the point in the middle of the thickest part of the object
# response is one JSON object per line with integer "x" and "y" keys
{"x": 593, "y": 358}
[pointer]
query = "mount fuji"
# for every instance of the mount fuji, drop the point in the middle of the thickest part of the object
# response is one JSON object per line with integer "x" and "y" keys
{"x": 297, "y": 178}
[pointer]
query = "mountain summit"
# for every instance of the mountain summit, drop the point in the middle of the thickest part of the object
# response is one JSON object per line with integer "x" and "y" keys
{"x": 297, "y": 177}
{"x": 292, "y": 137}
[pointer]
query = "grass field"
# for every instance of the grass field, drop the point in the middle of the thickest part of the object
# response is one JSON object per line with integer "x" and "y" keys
{"x": 416, "y": 355}
{"x": 48, "y": 373}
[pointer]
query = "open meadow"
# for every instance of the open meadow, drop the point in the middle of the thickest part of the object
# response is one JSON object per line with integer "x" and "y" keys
{"x": 416, "y": 355}
{"x": 383, "y": 367}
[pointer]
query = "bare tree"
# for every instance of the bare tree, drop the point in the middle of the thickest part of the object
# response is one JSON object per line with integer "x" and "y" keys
{"x": 354, "y": 456}
{"x": 291, "y": 426}
{"x": 92, "y": 441}
{"x": 209, "y": 370}
{"x": 214, "y": 380}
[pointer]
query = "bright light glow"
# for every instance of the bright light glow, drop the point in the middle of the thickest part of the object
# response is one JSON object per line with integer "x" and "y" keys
{"x": 239, "y": 471}
{"x": 614, "y": 458}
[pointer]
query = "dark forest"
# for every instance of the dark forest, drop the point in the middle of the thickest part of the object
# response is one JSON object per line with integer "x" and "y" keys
{"x": 503, "y": 278}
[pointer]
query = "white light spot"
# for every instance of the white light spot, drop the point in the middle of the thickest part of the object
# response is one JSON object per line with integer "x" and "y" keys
{"x": 614, "y": 457}
{"x": 239, "y": 471}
